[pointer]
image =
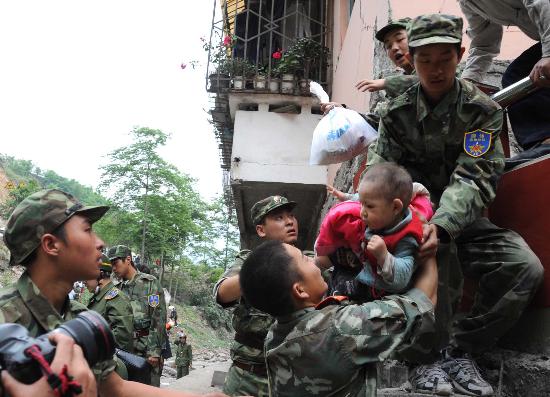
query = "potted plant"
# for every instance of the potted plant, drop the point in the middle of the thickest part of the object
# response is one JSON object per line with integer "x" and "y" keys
{"x": 240, "y": 70}
{"x": 287, "y": 68}
{"x": 218, "y": 58}
{"x": 260, "y": 79}
{"x": 309, "y": 55}
{"x": 273, "y": 71}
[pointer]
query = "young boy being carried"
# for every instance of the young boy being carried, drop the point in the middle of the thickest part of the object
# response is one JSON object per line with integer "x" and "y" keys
{"x": 384, "y": 231}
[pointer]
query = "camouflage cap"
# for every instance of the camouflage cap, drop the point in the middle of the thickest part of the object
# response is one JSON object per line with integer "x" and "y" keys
{"x": 402, "y": 23}
{"x": 105, "y": 264}
{"x": 434, "y": 28}
{"x": 119, "y": 251}
{"x": 41, "y": 213}
{"x": 265, "y": 206}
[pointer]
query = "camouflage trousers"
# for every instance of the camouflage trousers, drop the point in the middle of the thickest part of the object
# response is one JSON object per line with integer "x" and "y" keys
{"x": 239, "y": 382}
{"x": 507, "y": 274}
{"x": 182, "y": 370}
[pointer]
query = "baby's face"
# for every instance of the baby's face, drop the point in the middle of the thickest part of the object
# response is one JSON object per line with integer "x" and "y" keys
{"x": 377, "y": 211}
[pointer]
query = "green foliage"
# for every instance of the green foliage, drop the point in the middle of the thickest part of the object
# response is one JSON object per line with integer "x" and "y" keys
{"x": 16, "y": 193}
{"x": 161, "y": 201}
{"x": 302, "y": 57}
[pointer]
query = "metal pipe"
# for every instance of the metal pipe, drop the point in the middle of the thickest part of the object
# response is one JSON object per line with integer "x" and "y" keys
{"x": 514, "y": 92}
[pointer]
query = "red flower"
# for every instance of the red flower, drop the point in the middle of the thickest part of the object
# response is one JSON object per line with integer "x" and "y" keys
{"x": 227, "y": 40}
{"x": 277, "y": 54}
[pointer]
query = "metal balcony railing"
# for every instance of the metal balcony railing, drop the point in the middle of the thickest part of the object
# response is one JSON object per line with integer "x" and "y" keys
{"x": 246, "y": 34}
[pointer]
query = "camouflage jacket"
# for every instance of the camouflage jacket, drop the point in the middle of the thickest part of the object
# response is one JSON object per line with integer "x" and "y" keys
{"x": 184, "y": 354}
{"x": 115, "y": 307}
{"x": 433, "y": 145}
{"x": 333, "y": 351}
{"x": 24, "y": 304}
{"x": 251, "y": 325}
{"x": 149, "y": 310}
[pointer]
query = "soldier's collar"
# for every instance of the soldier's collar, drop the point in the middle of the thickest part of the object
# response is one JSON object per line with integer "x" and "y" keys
{"x": 42, "y": 310}
{"x": 423, "y": 108}
{"x": 294, "y": 315}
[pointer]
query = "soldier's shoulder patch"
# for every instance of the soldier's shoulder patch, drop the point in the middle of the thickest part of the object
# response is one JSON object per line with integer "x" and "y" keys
{"x": 153, "y": 300}
{"x": 111, "y": 294}
{"x": 477, "y": 143}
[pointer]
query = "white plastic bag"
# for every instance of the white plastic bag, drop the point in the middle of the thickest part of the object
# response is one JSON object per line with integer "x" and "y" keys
{"x": 340, "y": 135}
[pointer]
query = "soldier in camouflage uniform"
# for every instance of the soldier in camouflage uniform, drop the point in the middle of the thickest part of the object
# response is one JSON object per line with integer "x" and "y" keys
{"x": 274, "y": 220}
{"x": 329, "y": 347}
{"x": 49, "y": 233}
{"x": 113, "y": 305}
{"x": 148, "y": 306}
{"x": 184, "y": 355}
{"x": 445, "y": 132}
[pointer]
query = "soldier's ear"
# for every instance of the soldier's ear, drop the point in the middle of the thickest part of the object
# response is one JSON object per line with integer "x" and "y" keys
{"x": 409, "y": 58}
{"x": 50, "y": 244}
{"x": 298, "y": 292}
{"x": 461, "y": 53}
{"x": 260, "y": 230}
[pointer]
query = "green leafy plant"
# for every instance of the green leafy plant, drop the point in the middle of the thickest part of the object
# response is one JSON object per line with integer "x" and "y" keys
{"x": 240, "y": 67}
{"x": 302, "y": 57}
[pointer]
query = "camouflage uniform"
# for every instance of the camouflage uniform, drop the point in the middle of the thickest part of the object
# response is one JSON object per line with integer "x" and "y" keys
{"x": 454, "y": 150}
{"x": 184, "y": 358}
{"x": 115, "y": 307}
{"x": 23, "y": 303}
{"x": 149, "y": 310}
{"x": 333, "y": 349}
{"x": 247, "y": 375}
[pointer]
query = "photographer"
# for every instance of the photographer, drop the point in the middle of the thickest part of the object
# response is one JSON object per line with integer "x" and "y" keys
{"x": 50, "y": 234}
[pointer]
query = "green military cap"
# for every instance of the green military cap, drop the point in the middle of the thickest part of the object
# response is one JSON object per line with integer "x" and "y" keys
{"x": 402, "y": 23}
{"x": 434, "y": 28}
{"x": 119, "y": 251}
{"x": 105, "y": 264}
{"x": 41, "y": 213}
{"x": 265, "y": 206}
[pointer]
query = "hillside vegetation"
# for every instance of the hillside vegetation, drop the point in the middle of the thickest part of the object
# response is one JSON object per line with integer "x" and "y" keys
{"x": 177, "y": 236}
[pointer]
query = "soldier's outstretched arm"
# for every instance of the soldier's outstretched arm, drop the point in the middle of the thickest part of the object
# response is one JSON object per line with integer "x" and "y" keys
{"x": 229, "y": 290}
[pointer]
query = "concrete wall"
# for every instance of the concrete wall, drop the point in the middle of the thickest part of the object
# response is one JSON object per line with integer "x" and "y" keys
{"x": 274, "y": 147}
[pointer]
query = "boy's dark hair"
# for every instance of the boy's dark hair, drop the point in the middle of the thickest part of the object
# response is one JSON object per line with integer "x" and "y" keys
{"x": 266, "y": 278}
{"x": 392, "y": 181}
{"x": 457, "y": 46}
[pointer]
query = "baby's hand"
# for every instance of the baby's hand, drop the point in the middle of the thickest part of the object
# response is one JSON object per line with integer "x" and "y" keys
{"x": 341, "y": 196}
{"x": 377, "y": 247}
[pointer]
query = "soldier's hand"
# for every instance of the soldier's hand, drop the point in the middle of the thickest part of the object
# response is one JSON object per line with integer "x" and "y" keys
{"x": 370, "y": 85}
{"x": 66, "y": 353}
{"x": 153, "y": 361}
{"x": 428, "y": 248}
{"x": 540, "y": 75}
{"x": 328, "y": 106}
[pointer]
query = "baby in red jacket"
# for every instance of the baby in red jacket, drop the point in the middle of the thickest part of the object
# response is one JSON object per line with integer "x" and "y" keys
{"x": 383, "y": 229}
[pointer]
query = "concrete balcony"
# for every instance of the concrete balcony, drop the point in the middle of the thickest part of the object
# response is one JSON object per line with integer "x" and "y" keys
{"x": 270, "y": 155}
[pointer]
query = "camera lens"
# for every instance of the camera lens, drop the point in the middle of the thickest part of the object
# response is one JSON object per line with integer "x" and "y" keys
{"x": 92, "y": 333}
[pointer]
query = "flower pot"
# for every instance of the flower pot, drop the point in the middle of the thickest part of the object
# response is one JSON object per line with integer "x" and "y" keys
{"x": 274, "y": 86}
{"x": 238, "y": 82}
{"x": 260, "y": 82}
{"x": 287, "y": 83}
{"x": 303, "y": 87}
{"x": 219, "y": 82}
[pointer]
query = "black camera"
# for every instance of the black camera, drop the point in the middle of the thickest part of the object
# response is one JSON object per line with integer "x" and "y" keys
{"x": 89, "y": 330}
